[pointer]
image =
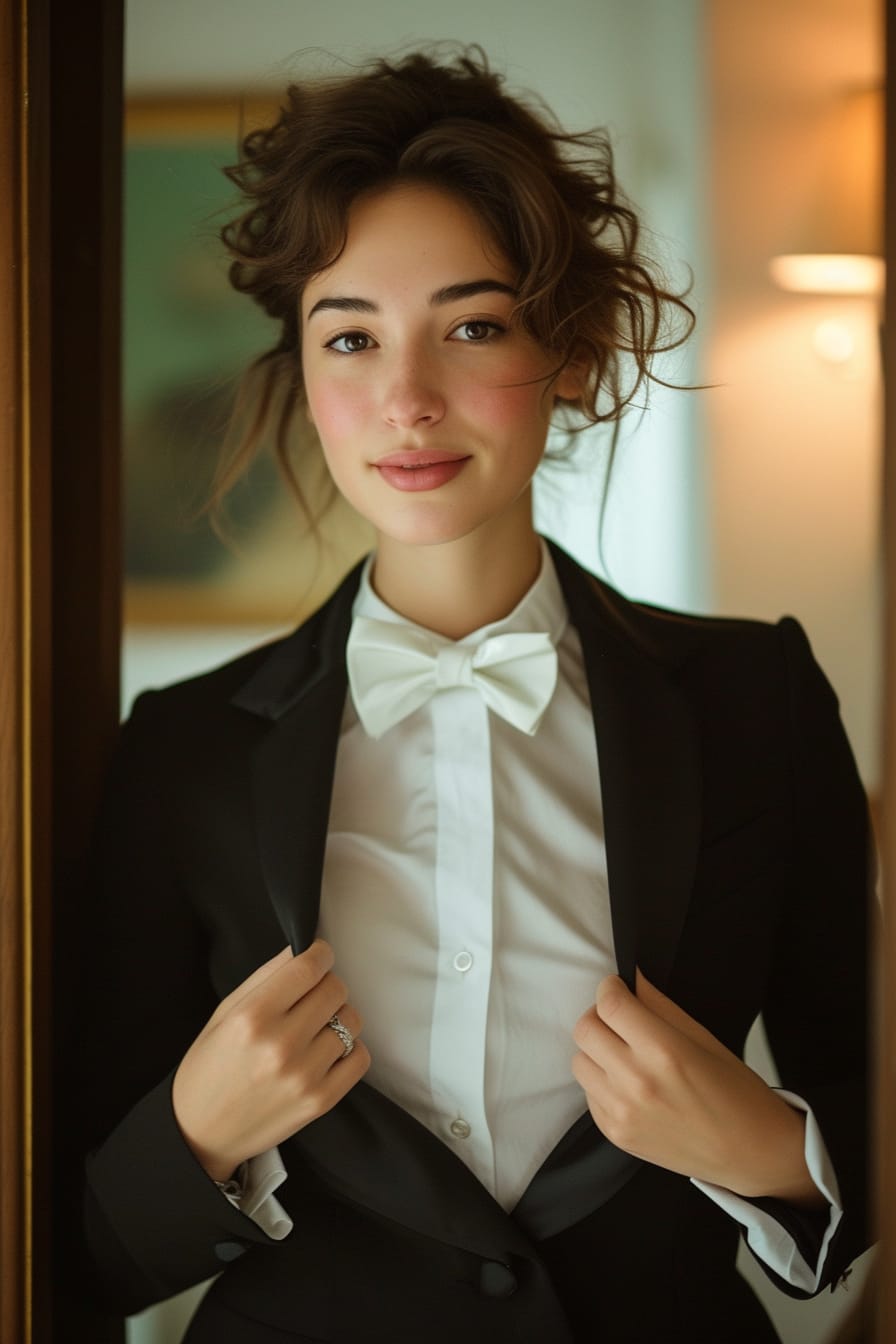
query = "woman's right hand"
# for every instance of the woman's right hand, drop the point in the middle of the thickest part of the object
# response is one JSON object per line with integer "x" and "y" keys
{"x": 266, "y": 1063}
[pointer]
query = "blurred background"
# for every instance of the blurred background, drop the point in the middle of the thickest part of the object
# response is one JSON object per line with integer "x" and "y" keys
{"x": 748, "y": 135}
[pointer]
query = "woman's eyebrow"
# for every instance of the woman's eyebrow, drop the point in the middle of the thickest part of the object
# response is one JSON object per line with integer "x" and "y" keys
{"x": 343, "y": 306}
{"x": 469, "y": 288}
{"x": 466, "y": 289}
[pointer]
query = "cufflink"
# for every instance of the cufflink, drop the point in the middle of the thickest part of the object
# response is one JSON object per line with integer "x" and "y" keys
{"x": 232, "y": 1189}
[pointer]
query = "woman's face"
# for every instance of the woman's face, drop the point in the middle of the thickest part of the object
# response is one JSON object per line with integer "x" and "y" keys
{"x": 432, "y": 410}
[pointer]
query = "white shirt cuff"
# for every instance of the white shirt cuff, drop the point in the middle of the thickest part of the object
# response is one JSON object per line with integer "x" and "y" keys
{"x": 765, "y": 1236}
{"x": 257, "y": 1180}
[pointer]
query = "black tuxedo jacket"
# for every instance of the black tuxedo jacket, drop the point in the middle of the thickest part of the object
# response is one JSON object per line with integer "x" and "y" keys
{"x": 738, "y": 860}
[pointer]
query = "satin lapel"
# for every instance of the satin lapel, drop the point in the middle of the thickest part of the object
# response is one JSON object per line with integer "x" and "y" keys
{"x": 650, "y": 780}
{"x": 371, "y": 1152}
{"x": 292, "y": 783}
{"x": 582, "y": 1172}
{"x": 650, "y": 787}
{"x": 367, "y": 1149}
{"x": 300, "y": 689}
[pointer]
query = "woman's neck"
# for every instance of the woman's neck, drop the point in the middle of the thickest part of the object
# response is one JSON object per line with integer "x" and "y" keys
{"x": 458, "y": 586}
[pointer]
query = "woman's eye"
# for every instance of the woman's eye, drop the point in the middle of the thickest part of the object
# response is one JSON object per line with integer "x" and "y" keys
{"x": 350, "y": 343}
{"x": 477, "y": 331}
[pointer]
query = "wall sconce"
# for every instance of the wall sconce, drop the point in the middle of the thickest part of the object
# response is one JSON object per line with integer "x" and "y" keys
{"x": 837, "y": 249}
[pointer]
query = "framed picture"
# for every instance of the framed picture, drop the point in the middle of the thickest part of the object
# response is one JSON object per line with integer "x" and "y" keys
{"x": 187, "y": 337}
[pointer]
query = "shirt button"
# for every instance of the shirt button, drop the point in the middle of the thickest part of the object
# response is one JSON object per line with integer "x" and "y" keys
{"x": 460, "y": 1129}
{"x": 463, "y": 961}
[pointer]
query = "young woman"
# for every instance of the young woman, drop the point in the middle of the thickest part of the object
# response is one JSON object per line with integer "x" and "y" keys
{"x": 433, "y": 932}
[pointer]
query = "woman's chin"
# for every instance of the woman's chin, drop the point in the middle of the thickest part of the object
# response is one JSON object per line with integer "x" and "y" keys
{"x": 423, "y": 531}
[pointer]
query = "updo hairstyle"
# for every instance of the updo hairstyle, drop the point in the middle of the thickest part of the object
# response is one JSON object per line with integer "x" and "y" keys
{"x": 547, "y": 197}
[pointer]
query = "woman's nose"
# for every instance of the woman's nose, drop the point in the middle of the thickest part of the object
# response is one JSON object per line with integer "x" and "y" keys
{"x": 411, "y": 394}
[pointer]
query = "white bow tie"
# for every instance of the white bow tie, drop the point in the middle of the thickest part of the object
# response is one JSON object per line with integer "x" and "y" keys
{"x": 394, "y": 669}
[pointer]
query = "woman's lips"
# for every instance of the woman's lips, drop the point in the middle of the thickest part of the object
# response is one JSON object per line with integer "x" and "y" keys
{"x": 419, "y": 471}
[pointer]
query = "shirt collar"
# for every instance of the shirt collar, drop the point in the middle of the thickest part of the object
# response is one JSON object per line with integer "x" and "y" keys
{"x": 543, "y": 607}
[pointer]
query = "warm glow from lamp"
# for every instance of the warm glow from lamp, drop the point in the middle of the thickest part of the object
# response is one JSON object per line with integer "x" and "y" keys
{"x": 837, "y": 248}
{"x": 829, "y": 273}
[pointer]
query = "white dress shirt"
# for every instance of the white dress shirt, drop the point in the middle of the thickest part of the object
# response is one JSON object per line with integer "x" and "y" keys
{"x": 465, "y": 896}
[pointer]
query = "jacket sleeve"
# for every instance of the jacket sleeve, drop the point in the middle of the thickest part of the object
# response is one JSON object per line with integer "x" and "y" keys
{"x": 155, "y": 1222}
{"x": 816, "y": 1009}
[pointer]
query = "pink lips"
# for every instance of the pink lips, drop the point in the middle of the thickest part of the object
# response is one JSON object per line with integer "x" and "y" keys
{"x": 423, "y": 470}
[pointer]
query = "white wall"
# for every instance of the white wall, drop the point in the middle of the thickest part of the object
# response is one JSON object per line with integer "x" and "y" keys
{"x": 793, "y": 438}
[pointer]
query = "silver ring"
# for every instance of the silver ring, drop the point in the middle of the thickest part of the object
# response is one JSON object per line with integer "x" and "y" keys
{"x": 344, "y": 1035}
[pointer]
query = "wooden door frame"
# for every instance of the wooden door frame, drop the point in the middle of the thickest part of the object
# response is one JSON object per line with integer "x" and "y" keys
{"x": 60, "y": 206}
{"x": 24, "y": 618}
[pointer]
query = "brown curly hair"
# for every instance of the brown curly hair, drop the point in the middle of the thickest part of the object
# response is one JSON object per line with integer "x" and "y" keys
{"x": 549, "y": 199}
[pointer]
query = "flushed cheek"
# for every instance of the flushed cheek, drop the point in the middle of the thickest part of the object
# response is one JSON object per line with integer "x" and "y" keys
{"x": 337, "y": 411}
{"x": 508, "y": 409}
{"x": 513, "y": 389}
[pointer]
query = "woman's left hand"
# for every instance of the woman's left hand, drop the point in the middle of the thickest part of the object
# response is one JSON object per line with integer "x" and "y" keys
{"x": 663, "y": 1088}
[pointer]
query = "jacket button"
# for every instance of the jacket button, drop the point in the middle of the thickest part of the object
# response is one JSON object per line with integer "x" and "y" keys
{"x": 496, "y": 1280}
{"x": 229, "y": 1250}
